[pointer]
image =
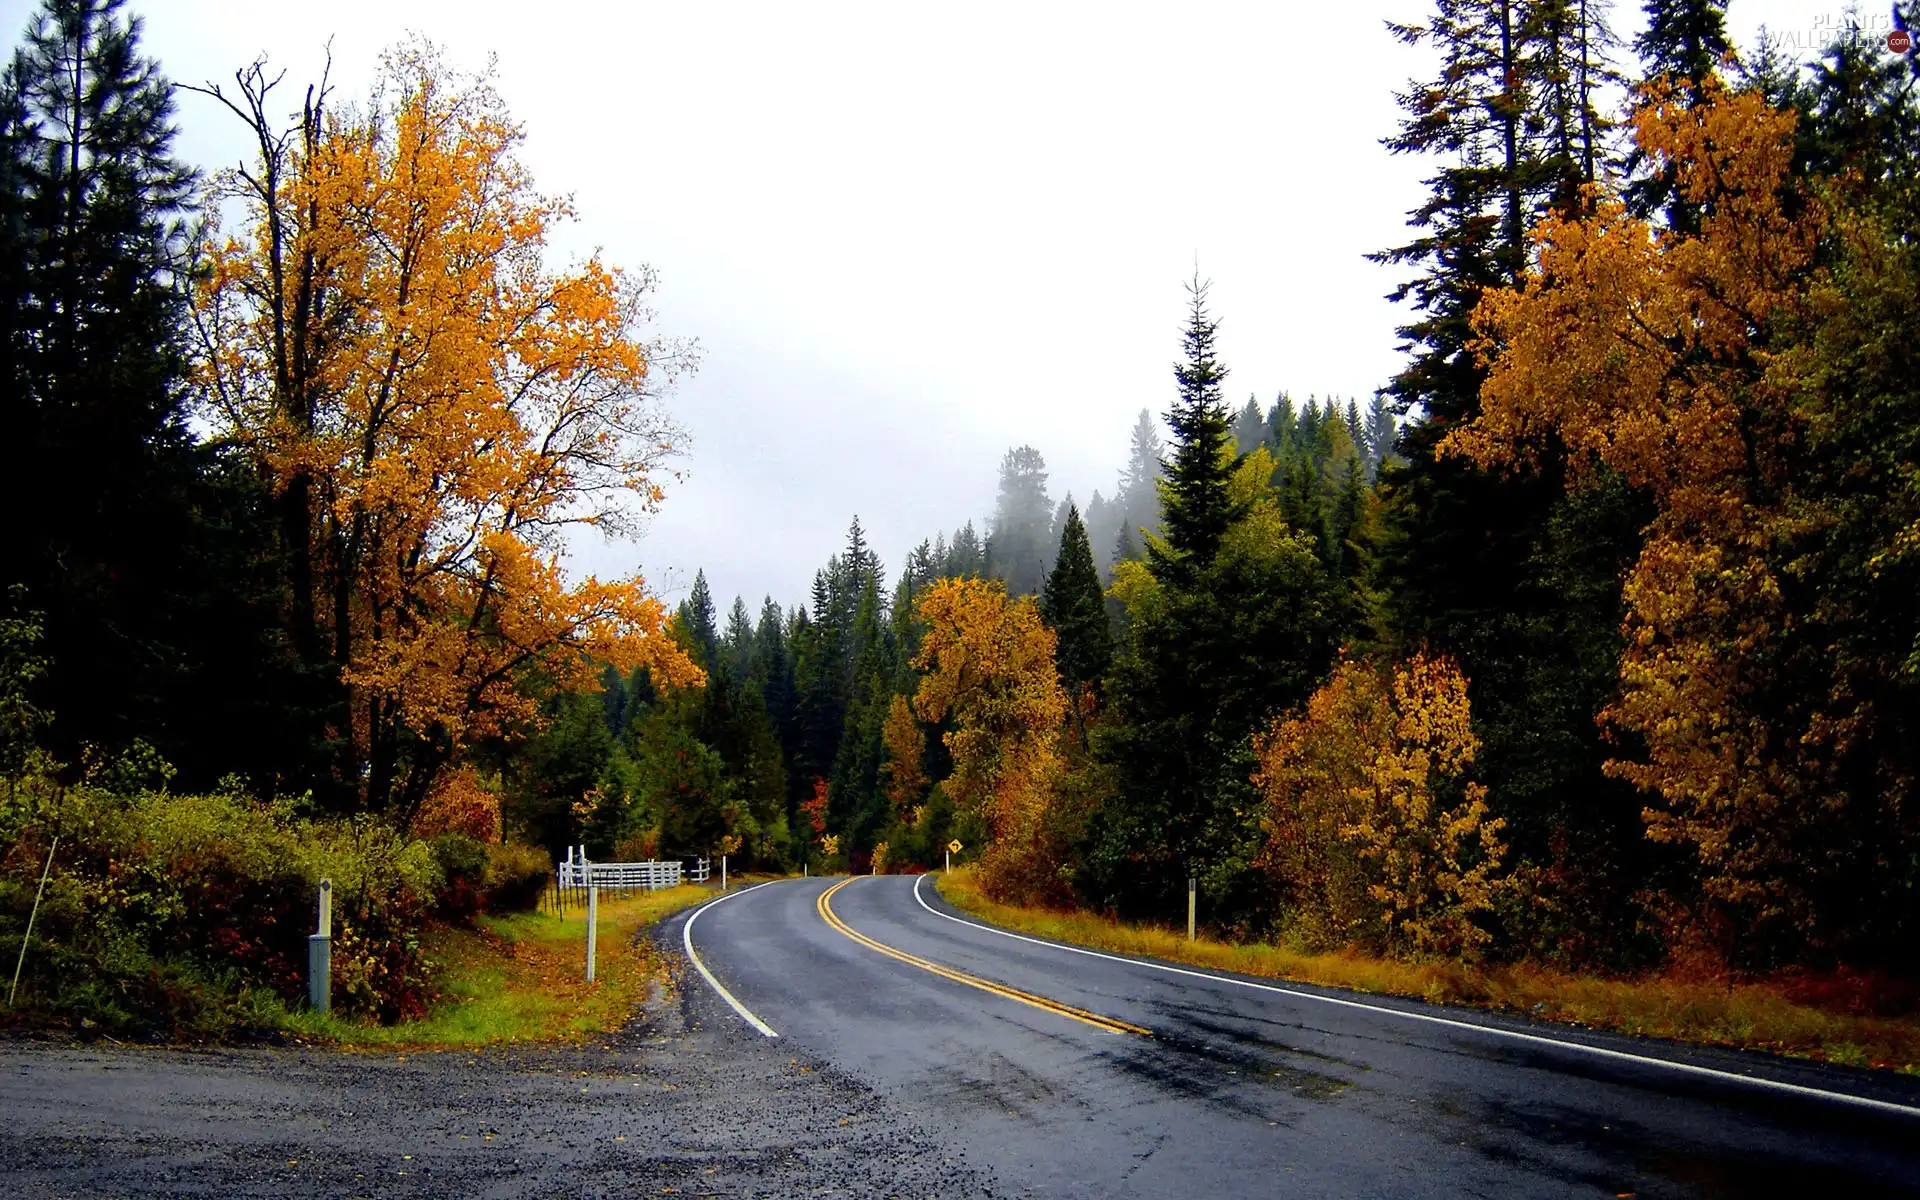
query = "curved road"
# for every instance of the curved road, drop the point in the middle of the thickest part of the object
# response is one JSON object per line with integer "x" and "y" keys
{"x": 1017, "y": 1050}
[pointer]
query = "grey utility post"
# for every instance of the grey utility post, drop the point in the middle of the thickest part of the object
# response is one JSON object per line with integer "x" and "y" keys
{"x": 320, "y": 955}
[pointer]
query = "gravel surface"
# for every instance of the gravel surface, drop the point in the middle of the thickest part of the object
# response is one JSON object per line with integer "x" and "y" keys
{"x": 682, "y": 1102}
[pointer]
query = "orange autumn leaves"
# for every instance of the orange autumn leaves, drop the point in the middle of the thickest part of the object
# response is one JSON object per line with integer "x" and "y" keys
{"x": 386, "y": 337}
{"x": 989, "y": 670}
{"x": 1649, "y": 352}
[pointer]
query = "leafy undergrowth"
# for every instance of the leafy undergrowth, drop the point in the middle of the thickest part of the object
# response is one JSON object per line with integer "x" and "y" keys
{"x": 1753, "y": 1016}
{"x": 521, "y": 978}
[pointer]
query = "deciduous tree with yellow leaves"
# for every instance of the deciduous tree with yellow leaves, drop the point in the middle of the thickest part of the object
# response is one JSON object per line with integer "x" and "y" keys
{"x": 1692, "y": 364}
{"x": 434, "y": 405}
{"x": 1373, "y": 835}
{"x": 989, "y": 669}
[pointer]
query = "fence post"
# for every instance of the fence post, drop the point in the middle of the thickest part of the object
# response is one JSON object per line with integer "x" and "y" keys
{"x": 1193, "y": 887}
{"x": 593, "y": 925}
{"x": 320, "y": 954}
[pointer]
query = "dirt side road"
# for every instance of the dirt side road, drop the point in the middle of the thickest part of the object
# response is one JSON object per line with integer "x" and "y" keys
{"x": 677, "y": 1104}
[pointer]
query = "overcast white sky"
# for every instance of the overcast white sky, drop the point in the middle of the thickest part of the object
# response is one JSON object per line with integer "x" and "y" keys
{"x": 908, "y": 236}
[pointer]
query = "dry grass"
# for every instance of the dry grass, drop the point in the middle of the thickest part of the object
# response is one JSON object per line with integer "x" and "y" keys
{"x": 1753, "y": 1016}
{"x": 521, "y": 978}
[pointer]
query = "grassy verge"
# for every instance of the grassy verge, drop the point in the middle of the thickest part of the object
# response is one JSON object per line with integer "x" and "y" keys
{"x": 1755, "y": 1016}
{"x": 521, "y": 978}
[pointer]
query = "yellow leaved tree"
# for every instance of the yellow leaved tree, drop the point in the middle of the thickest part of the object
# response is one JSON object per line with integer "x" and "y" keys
{"x": 1373, "y": 836}
{"x": 433, "y": 406}
{"x": 989, "y": 669}
{"x": 1661, "y": 355}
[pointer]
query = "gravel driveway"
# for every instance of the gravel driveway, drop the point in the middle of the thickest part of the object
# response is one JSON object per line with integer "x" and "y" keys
{"x": 681, "y": 1102}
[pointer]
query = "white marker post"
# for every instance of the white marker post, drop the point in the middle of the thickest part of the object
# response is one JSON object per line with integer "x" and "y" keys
{"x": 593, "y": 924}
{"x": 320, "y": 954}
{"x": 1193, "y": 887}
{"x": 723, "y": 872}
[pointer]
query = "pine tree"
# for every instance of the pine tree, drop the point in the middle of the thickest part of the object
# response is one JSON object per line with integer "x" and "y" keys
{"x": 1195, "y": 506}
{"x": 1075, "y": 608}
{"x": 1249, "y": 428}
{"x": 1018, "y": 547}
{"x": 1382, "y": 431}
{"x": 1103, "y": 525}
{"x": 737, "y": 644}
{"x": 697, "y": 618}
{"x": 1138, "y": 497}
{"x": 966, "y": 557}
{"x": 1282, "y": 424}
{"x": 144, "y": 549}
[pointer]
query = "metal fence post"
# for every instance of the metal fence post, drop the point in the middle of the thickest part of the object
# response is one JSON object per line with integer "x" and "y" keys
{"x": 320, "y": 954}
{"x": 593, "y": 925}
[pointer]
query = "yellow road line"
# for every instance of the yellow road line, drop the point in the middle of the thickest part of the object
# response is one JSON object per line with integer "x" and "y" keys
{"x": 1108, "y": 1024}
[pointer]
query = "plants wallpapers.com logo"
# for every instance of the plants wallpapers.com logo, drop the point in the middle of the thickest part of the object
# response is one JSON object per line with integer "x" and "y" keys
{"x": 1825, "y": 28}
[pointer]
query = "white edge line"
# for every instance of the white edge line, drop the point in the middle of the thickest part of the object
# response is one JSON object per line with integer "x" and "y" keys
{"x": 686, "y": 938}
{"x": 1905, "y": 1110}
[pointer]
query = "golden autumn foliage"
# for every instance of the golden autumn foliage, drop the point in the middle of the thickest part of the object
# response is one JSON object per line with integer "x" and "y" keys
{"x": 1661, "y": 355}
{"x": 460, "y": 802}
{"x": 906, "y": 747}
{"x": 1362, "y": 839}
{"x": 434, "y": 406}
{"x": 989, "y": 669}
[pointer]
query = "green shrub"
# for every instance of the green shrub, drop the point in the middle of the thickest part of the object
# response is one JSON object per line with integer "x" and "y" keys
{"x": 464, "y": 871}
{"x": 175, "y": 915}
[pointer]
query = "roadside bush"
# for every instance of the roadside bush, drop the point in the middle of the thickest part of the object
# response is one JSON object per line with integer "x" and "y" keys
{"x": 184, "y": 915}
{"x": 517, "y": 875}
{"x": 464, "y": 870}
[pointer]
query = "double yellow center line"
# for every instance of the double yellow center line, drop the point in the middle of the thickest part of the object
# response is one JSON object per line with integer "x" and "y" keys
{"x": 986, "y": 985}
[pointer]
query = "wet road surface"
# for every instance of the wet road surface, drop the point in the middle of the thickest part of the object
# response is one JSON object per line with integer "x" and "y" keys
{"x": 921, "y": 1055}
{"x": 1243, "y": 1091}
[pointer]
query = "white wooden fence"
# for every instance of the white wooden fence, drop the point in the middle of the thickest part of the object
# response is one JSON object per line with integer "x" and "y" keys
{"x": 577, "y": 872}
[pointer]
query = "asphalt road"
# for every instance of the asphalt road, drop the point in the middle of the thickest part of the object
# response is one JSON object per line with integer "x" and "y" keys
{"x": 1240, "y": 1091}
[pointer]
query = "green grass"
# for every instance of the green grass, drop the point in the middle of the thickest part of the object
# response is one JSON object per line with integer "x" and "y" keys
{"x": 1749, "y": 1015}
{"x": 521, "y": 978}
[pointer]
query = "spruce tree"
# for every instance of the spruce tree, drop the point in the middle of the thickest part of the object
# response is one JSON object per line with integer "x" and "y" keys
{"x": 697, "y": 618}
{"x": 1076, "y": 609}
{"x": 1249, "y": 428}
{"x": 966, "y": 557}
{"x": 1382, "y": 431}
{"x": 737, "y": 644}
{"x": 1138, "y": 497}
{"x": 145, "y": 549}
{"x": 1018, "y": 547}
{"x": 1195, "y": 506}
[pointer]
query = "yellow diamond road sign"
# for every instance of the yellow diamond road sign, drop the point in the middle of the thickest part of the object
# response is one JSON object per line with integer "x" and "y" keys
{"x": 954, "y": 845}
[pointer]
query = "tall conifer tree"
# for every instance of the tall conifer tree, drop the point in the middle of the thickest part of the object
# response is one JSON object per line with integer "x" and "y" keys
{"x": 1076, "y": 609}
{"x": 1195, "y": 506}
